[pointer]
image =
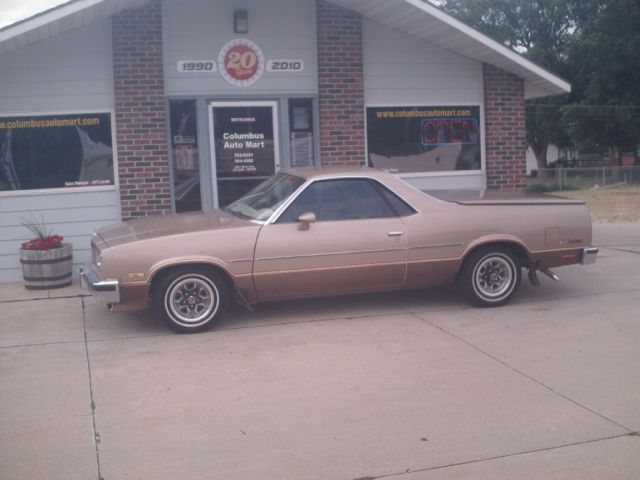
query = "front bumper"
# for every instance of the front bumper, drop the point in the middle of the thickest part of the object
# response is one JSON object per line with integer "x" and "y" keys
{"x": 589, "y": 256}
{"x": 106, "y": 291}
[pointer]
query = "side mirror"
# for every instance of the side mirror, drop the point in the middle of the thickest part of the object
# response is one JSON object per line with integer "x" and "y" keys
{"x": 305, "y": 219}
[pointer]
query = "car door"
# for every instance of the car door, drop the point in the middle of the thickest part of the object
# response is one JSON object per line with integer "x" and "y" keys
{"x": 356, "y": 243}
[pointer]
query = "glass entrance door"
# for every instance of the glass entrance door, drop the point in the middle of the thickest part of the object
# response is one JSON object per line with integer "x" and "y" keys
{"x": 244, "y": 146}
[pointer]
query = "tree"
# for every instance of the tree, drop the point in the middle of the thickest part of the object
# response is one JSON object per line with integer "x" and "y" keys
{"x": 606, "y": 111}
{"x": 542, "y": 31}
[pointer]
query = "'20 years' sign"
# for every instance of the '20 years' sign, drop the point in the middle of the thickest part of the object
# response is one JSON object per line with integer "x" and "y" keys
{"x": 241, "y": 63}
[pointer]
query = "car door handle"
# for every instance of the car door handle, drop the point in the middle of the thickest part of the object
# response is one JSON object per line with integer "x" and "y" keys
{"x": 397, "y": 233}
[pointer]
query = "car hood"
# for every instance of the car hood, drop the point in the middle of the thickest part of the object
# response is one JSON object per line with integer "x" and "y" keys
{"x": 166, "y": 225}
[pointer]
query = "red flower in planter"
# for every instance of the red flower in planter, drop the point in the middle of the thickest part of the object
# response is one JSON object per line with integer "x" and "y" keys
{"x": 44, "y": 239}
{"x": 43, "y": 243}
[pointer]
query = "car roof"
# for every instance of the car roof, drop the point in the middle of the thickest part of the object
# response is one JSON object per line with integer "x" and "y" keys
{"x": 337, "y": 171}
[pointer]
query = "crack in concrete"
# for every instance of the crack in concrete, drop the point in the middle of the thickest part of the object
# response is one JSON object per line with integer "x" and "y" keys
{"x": 43, "y": 344}
{"x": 498, "y": 457}
{"x": 609, "y": 245}
{"x": 19, "y": 300}
{"x": 96, "y": 434}
{"x": 624, "y": 251}
{"x": 526, "y": 375}
{"x": 452, "y": 308}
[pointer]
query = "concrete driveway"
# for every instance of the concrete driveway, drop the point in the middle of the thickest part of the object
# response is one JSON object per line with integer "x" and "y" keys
{"x": 406, "y": 386}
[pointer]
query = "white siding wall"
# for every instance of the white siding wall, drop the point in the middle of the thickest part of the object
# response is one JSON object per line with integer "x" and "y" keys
{"x": 69, "y": 73}
{"x": 73, "y": 215}
{"x": 403, "y": 70}
{"x": 72, "y": 71}
{"x": 198, "y": 29}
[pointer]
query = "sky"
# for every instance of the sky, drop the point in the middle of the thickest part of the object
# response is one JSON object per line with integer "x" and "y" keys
{"x": 12, "y": 11}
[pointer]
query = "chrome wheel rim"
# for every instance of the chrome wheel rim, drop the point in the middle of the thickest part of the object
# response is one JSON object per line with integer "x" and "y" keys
{"x": 493, "y": 277}
{"x": 192, "y": 300}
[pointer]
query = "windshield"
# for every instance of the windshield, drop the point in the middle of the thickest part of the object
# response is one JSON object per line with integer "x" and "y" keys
{"x": 260, "y": 203}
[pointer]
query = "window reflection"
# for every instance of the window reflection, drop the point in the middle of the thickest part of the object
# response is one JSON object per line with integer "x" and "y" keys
{"x": 186, "y": 162}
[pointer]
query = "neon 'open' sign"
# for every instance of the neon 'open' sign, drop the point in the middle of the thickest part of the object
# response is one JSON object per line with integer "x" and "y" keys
{"x": 447, "y": 131}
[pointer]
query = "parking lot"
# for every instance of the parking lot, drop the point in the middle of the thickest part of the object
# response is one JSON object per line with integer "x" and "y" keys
{"x": 411, "y": 385}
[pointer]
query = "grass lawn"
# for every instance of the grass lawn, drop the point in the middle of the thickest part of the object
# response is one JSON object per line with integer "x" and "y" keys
{"x": 620, "y": 204}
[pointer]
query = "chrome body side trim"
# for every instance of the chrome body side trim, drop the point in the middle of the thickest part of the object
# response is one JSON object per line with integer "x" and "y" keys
{"x": 438, "y": 245}
{"x": 105, "y": 291}
{"x": 320, "y": 269}
{"x": 329, "y": 254}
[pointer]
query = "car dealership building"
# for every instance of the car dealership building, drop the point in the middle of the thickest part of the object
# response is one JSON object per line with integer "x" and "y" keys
{"x": 116, "y": 109}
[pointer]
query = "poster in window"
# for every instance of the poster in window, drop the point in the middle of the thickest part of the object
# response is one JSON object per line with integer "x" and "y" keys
{"x": 301, "y": 149}
{"x": 185, "y": 158}
{"x": 301, "y": 117}
{"x": 424, "y": 139}
{"x": 56, "y": 151}
{"x": 301, "y": 131}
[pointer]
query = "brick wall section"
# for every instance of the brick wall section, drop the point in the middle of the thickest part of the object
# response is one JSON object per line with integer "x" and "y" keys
{"x": 143, "y": 163}
{"x": 341, "y": 86}
{"x": 505, "y": 129}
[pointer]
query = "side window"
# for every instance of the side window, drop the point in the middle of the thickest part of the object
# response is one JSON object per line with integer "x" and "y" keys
{"x": 341, "y": 199}
{"x": 399, "y": 205}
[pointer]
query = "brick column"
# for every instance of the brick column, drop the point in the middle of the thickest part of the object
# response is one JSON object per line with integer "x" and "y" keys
{"x": 341, "y": 86}
{"x": 141, "y": 125}
{"x": 505, "y": 136}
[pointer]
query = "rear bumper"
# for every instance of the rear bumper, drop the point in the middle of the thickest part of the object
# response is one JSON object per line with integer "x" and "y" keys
{"x": 589, "y": 256}
{"x": 104, "y": 290}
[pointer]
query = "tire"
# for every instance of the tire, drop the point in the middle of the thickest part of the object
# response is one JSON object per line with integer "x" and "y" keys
{"x": 190, "y": 299}
{"x": 490, "y": 276}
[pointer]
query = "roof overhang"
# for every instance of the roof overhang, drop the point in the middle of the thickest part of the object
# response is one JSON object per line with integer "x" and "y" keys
{"x": 412, "y": 17}
{"x": 65, "y": 17}
{"x": 427, "y": 22}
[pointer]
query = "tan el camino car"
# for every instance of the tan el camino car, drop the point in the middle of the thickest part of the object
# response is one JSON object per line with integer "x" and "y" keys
{"x": 315, "y": 232}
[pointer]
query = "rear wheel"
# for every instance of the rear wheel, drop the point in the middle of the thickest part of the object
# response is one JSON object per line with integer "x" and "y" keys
{"x": 491, "y": 276}
{"x": 190, "y": 300}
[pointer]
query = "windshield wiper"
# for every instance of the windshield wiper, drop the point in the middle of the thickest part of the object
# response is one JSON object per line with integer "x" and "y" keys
{"x": 235, "y": 213}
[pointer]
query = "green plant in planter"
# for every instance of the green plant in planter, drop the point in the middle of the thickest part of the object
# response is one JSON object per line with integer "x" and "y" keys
{"x": 47, "y": 262}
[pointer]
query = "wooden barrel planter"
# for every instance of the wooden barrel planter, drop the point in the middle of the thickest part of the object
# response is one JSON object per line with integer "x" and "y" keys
{"x": 46, "y": 269}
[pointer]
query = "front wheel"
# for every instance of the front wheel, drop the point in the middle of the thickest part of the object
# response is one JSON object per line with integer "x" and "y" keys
{"x": 490, "y": 276}
{"x": 190, "y": 300}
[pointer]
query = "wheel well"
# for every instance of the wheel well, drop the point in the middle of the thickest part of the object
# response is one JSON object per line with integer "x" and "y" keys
{"x": 518, "y": 250}
{"x": 163, "y": 272}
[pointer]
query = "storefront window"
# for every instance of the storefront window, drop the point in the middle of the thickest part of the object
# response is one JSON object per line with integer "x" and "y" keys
{"x": 301, "y": 131}
{"x": 186, "y": 164}
{"x": 245, "y": 145}
{"x": 424, "y": 139}
{"x": 56, "y": 151}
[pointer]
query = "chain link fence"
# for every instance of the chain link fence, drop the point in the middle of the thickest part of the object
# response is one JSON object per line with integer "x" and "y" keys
{"x": 582, "y": 178}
